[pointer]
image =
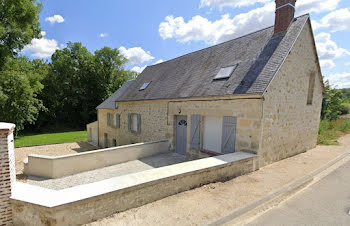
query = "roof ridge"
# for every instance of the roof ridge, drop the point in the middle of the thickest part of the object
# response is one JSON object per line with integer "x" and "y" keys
{"x": 234, "y": 39}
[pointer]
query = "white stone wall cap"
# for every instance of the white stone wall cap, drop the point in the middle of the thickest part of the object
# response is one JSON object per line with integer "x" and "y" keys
{"x": 7, "y": 126}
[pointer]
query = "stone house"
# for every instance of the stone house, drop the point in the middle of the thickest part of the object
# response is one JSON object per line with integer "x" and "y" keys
{"x": 260, "y": 93}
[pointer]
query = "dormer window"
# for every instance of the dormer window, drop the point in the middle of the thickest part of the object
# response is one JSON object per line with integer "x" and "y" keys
{"x": 225, "y": 72}
{"x": 144, "y": 86}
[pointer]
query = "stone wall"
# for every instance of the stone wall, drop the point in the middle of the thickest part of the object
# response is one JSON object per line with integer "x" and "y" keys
{"x": 290, "y": 126}
{"x": 157, "y": 120}
{"x": 153, "y": 123}
{"x": 247, "y": 111}
{"x": 7, "y": 172}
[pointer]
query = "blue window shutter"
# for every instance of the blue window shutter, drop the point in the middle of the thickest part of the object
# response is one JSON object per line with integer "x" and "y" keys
{"x": 129, "y": 122}
{"x": 138, "y": 123}
{"x": 195, "y": 131}
{"x": 228, "y": 134}
{"x": 117, "y": 121}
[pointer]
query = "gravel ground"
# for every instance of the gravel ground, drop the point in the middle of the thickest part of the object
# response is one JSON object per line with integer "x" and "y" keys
{"x": 48, "y": 150}
{"x": 117, "y": 170}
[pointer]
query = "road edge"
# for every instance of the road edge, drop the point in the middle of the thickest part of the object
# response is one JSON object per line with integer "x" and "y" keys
{"x": 275, "y": 197}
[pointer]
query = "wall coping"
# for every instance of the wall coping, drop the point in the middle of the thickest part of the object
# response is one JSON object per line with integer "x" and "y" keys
{"x": 4, "y": 126}
{"x": 95, "y": 151}
{"x": 54, "y": 198}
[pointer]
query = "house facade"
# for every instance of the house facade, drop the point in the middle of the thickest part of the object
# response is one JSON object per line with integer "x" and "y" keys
{"x": 260, "y": 93}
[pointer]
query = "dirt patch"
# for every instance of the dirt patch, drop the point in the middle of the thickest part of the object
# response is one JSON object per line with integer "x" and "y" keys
{"x": 48, "y": 150}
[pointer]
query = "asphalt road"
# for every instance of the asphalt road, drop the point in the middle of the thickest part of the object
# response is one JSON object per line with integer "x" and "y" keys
{"x": 326, "y": 202}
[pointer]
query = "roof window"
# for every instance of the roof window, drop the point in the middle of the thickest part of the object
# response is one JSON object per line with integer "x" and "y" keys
{"x": 225, "y": 72}
{"x": 144, "y": 86}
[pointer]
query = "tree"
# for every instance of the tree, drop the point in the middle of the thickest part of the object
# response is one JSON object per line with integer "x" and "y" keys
{"x": 20, "y": 84}
{"x": 19, "y": 24}
{"x": 332, "y": 103}
{"x": 78, "y": 81}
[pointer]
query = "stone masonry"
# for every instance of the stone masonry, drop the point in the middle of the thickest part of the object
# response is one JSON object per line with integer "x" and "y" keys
{"x": 7, "y": 172}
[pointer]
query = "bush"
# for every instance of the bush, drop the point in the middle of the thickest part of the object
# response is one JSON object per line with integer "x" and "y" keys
{"x": 343, "y": 125}
{"x": 331, "y": 105}
{"x": 343, "y": 110}
{"x": 330, "y": 131}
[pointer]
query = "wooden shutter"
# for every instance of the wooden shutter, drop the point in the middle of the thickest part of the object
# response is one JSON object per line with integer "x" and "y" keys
{"x": 138, "y": 123}
{"x": 195, "y": 131}
{"x": 129, "y": 122}
{"x": 117, "y": 121}
{"x": 228, "y": 134}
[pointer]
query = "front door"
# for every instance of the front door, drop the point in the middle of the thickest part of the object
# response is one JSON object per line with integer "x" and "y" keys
{"x": 181, "y": 134}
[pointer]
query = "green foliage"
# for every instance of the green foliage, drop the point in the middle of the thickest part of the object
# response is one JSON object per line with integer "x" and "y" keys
{"x": 344, "y": 108}
{"x": 332, "y": 103}
{"x": 51, "y": 138}
{"x": 20, "y": 84}
{"x": 19, "y": 24}
{"x": 330, "y": 131}
{"x": 346, "y": 94}
{"x": 78, "y": 81}
{"x": 326, "y": 134}
{"x": 343, "y": 125}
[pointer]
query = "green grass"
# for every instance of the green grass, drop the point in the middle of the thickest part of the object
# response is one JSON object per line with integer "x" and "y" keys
{"x": 50, "y": 138}
{"x": 330, "y": 131}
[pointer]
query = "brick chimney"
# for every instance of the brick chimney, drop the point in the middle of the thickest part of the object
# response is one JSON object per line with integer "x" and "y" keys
{"x": 285, "y": 10}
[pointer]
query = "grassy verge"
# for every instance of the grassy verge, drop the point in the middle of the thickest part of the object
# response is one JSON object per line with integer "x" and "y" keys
{"x": 50, "y": 138}
{"x": 330, "y": 131}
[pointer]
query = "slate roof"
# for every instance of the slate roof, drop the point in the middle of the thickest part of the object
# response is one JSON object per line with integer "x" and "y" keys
{"x": 259, "y": 55}
{"x": 111, "y": 103}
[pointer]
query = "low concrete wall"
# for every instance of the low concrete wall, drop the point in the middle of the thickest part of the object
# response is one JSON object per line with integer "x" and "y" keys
{"x": 82, "y": 204}
{"x": 92, "y": 130}
{"x": 56, "y": 167}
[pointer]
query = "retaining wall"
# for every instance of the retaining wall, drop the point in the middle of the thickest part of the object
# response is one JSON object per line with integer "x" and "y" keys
{"x": 56, "y": 167}
{"x": 82, "y": 204}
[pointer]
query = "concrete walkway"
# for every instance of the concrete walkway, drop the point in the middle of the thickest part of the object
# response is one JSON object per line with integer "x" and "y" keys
{"x": 135, "y": 166}
{"x": 324, "y": 203}
{"x": 212, "y": 202}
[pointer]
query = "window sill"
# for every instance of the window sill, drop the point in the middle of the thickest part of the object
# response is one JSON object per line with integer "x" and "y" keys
{"x": 212, "y": 153}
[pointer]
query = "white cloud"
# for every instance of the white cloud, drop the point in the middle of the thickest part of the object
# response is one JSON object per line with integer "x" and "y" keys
{"x": 103, "y": 35}
{"x": 42, "y": 47}
{"x": 328, "y": 50}
{"x": 55, "y": 19}
{"x": 138, "y": 69}
{"x": 159, "y": 61}
{"x": 341, "y": 80}
{"x": 136, "y": 55}
{"x": 347, "y": 64}
{"x": 303, "y": 6}
{"x": 229, "y": 3}
{"x": 338, "y": 20}
{"x": 327, "y": 63}
{"x": 201, "y": 29}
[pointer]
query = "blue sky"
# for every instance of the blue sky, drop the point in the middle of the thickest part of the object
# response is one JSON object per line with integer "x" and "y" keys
{"x": 147, "y": 32}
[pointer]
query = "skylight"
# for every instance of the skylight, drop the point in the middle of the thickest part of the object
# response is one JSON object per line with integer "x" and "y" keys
{"x": 145, "y": 85}
{"x": 225, "y": 72}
